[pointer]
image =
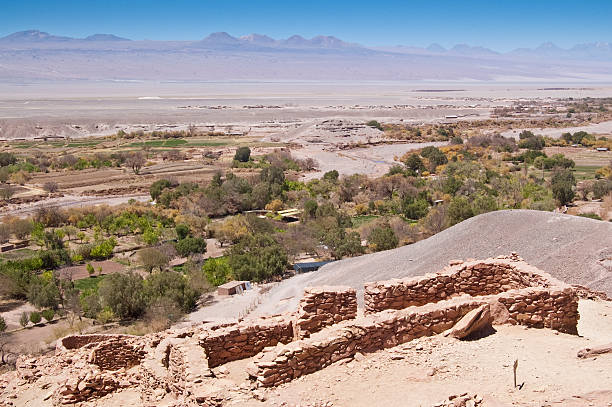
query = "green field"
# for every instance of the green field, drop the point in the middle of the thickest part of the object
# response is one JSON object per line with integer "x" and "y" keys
{"x": 362, "y": 220}
{"x": 582, "y": 172}
{"x": 88, "y": 283}
{"x": 175, "y": 142}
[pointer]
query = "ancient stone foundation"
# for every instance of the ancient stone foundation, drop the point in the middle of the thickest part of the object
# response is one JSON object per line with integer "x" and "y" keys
{"x": 324, "y": 306}
{"x": 182, "y": 366}
{"x": 535, "y": 307}
{"x": 245, "y": 339}
{"x": 474, "y": 278}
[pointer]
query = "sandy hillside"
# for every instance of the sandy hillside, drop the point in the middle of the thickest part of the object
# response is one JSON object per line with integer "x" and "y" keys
{"x": 573, "y": 249}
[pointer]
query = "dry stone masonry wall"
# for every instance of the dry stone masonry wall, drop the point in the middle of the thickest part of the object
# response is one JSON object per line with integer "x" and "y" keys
{"x": 475, "y": 278}
{"x": 534, "y": 307}
{"x": 324, "y": 306}
{"x": 179, "y": 364}
{"x": 246, "y": 339}
{"x": 115, "y": 354}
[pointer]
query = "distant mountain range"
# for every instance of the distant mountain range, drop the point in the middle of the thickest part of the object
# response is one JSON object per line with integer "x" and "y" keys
{"x": 34, "y": 54}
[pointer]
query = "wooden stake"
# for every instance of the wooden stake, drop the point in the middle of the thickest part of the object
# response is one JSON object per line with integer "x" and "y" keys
{"x": 515, "y": 367}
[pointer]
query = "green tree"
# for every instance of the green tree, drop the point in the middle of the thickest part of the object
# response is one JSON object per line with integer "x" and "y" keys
{"x": 152, "y": 258}
{"x": 257, "y": 257}
{"x": 382, "y": 238}
{"x": 562, "y": 184}
{"x": 123, "y": 294}
{"x": 414, "y": 163}
{"x": 158, "y": 187}
{"x": 459, "y": 210}
{"x": 310, "y": 209}
{"x": 435, "y": 157}
{"x": 173, "y": 286}
{"x": 243, "y": 154}
{"x": 217, "y": 271}
{"x": 414, "y": 208}
{"x": 190, "y": 245}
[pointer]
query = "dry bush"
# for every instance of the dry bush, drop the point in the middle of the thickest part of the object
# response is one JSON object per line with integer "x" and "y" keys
{"x": 51, "y": 186}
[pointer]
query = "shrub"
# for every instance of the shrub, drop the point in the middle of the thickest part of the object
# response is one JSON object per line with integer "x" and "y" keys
{"x": 173, "y": 286}
{"x": 51, "y": 186}
{"x": 375, "y": 124}
{"x": 182, "y": 231}
{"x": 591, "y": 216}
{"x": 105, "y": 316}
{"x": 243, "y": 154}
{"x": 24, "y": 319}
{"x": 90, "y": 269}
{"x": 217, "y": 271}
{"x": 35, "y": 317}
{"x": 48, "y": 314}
{"x": 2, "y": 324}
{"x": 331, "y": 176}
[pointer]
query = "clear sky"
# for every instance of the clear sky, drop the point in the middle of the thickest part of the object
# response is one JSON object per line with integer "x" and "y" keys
{"x": 498, "y": 24}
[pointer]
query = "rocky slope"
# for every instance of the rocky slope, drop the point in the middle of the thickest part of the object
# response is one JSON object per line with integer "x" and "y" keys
{"x": 572, "y": 249}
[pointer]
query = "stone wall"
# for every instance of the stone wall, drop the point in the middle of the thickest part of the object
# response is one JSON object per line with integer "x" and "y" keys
{"x": 246, "y": 339}
{"x": 543, "y": 308}
{"x": 324, "y": 306}
{"x": 475, "y": 278}
{"x": 78, "y": 341}
{"x": 371, "y": 333}
{"x": 115, "y": 354}
{"x": 535, "y": 307}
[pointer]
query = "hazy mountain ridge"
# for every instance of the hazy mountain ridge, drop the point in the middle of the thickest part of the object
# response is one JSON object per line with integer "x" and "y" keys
{"x": 34, "y": 54}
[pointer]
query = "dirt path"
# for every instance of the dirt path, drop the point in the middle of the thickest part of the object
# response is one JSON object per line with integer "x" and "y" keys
{"x": 69, "y": 201}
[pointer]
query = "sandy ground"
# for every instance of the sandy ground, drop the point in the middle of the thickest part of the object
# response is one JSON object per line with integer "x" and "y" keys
{"x": 223, "y": 308}
{"x": 94, "y": 109}
{"x": 426, "y": 371}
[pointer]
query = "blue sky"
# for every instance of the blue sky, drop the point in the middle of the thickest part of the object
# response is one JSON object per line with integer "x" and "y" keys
{"x": 497, "y": 24}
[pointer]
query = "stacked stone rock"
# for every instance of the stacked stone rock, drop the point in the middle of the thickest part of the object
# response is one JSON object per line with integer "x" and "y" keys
{"x": 246, "y": 339}
{"x": 324, "y": 306}
{"x": 78, "y": 341}
{"x": 374, "y": 332}
{"x": 555, "y": 308}
{"x": 92, "y": 385}
{"x": 115, "y": 354}
{"x": 536, "y": 307}
{"x": 475, "y": 278}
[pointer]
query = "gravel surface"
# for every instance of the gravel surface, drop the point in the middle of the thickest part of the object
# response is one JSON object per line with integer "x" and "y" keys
{"x": 573, "y": 249}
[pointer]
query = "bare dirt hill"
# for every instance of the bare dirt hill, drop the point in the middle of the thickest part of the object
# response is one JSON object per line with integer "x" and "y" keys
{"x": 573, "y": 249}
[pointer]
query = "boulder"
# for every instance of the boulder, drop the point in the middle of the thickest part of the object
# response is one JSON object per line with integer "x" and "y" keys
{"x": 474, "y": 321}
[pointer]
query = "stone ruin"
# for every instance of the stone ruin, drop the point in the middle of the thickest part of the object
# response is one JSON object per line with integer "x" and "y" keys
{"x": 178, "y": 367}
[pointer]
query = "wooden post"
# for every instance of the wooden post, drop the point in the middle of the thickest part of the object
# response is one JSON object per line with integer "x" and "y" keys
{"x": 515, "y": 367}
